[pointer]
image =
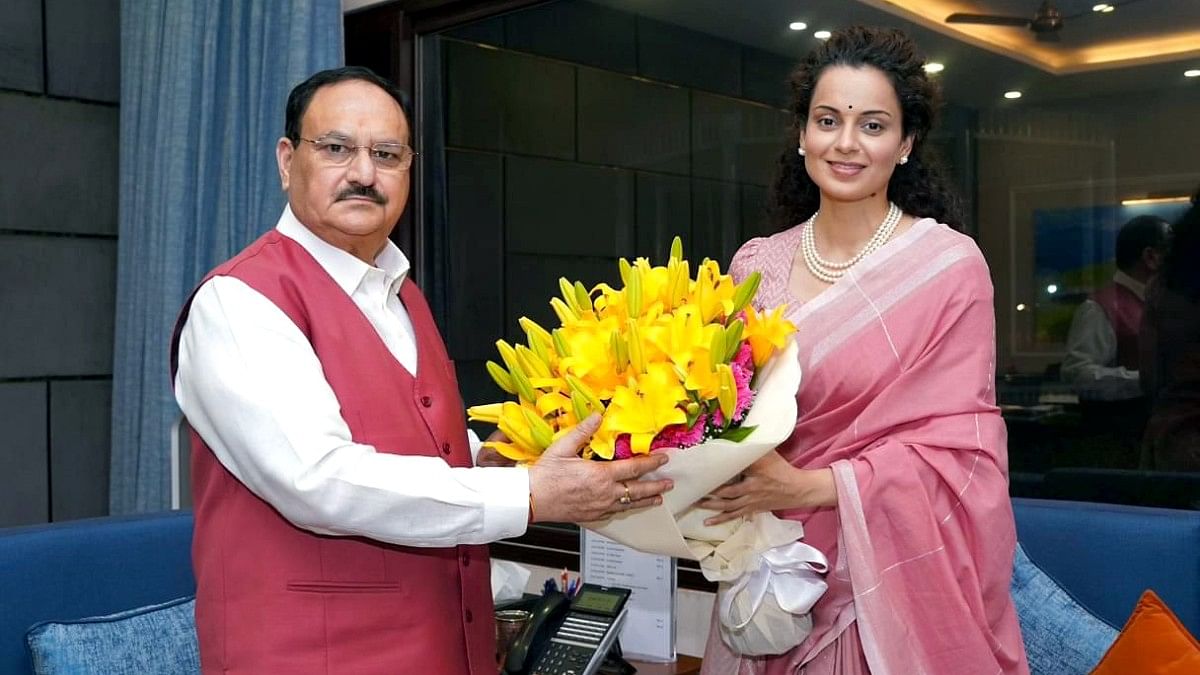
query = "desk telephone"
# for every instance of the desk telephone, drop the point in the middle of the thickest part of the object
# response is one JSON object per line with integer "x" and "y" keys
{"x": 569, "y": 636}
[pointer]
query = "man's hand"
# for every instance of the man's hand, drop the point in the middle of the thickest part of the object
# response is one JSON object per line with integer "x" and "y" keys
{"x": 489, "y": 457}
{"x": 569, "y": 489}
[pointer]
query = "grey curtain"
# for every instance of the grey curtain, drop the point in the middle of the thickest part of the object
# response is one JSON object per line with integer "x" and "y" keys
{"x": 203, "y": 88}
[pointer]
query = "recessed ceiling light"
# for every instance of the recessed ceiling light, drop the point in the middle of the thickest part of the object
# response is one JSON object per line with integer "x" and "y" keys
{"x": 1103, "y": 7}
{"x": 1012, "y": 94}
{"x": 1195, "y": 72}
{"x": 822, "y": 35}
{"x": 934, "y": 67}
{"x": 797, "y": 25}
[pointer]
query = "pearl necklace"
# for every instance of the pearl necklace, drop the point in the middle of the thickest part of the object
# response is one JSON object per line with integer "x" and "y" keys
{"x": 828, "y": 271}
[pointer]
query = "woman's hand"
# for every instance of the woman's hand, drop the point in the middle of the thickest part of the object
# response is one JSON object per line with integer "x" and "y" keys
{"x": 771, "y": 484}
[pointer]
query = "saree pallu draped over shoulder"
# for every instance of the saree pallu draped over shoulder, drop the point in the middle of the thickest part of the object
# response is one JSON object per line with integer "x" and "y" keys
{"x": 898, "y": 399}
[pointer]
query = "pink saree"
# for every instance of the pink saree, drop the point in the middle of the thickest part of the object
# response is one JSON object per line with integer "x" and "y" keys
{"x": 898, "y": 361}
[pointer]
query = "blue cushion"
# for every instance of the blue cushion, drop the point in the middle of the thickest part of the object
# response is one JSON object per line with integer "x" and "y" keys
{"x": 158, "y": 639}
{"x": 1061, "y": 637}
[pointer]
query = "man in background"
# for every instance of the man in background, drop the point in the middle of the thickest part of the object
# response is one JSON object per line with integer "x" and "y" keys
{"x": 1103, "y": 343}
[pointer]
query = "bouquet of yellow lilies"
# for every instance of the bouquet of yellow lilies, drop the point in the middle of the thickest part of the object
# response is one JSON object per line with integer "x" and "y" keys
{"x": 667, "y": 360}
{"x": 688, "y": 367}
{"x": 674, "y": 364}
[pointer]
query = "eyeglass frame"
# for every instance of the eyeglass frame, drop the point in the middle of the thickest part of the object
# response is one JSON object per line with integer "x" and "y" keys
{"x": 318, "y": 143}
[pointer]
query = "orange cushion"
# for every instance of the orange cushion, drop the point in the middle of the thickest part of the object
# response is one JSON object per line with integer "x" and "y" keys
{"x": 1153, "y": 642}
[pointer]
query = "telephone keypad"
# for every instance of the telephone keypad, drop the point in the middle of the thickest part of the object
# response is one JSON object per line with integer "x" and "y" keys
{"x": 572, "y": 646}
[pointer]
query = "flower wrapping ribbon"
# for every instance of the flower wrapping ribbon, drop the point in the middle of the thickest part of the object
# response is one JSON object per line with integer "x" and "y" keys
{"x": 766, "y": 609}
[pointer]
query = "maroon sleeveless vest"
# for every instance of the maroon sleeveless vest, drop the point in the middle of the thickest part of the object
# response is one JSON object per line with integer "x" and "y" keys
{"x": 1124, "y": 311}
{"x": 274, "y": 598}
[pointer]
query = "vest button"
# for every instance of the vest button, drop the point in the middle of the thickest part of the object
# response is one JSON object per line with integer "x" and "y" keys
{"x": 469, "y": 617}
{"x": 445, "y": 448}
{"x": 427, "y": 401}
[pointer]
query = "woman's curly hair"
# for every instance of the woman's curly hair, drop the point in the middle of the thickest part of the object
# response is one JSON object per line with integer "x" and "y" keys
{"x": 918, "y": 186}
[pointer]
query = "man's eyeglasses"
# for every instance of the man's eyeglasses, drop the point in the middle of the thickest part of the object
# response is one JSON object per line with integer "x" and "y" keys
{"x": 339, "y": 152}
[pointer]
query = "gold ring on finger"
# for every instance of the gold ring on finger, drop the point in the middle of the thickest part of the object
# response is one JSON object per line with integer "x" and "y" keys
{"x": 625, "y": 498}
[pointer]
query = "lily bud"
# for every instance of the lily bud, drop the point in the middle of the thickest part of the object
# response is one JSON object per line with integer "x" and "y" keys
{"x": 560, "y": 343}
{"x": 583, "y": 300}
{"x": 565, "y": 314}
{"x": 733, "y": 338}
{"x": 568, "y": 294}
{"x": 745, "y": 292}
{"x": 727, "y": 395}
{"x": 501, "y": 377}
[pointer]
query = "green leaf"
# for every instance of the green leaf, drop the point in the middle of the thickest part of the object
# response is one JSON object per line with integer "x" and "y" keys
{"x": 737, "y": 434}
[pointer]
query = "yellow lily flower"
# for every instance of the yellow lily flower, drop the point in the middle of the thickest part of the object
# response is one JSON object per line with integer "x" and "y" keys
{"x": 767, "y": 332}
{"x": 713, "y": 292}
{"x": 527, "y": 432}
{"x": 702, "y": 376}
{"x": 488, "y": 413}
{"x": 643, "y": 411}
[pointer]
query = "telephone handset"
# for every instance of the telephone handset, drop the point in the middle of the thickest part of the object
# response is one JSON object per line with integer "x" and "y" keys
{"x": 569, "y": 637}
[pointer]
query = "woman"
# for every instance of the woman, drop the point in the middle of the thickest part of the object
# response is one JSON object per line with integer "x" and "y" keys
{"x": 898, "y": 465}
{"x": 1170, "y": 358}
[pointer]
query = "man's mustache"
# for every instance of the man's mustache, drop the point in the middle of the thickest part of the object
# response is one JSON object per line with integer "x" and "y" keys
{"x": 362, "y": 191}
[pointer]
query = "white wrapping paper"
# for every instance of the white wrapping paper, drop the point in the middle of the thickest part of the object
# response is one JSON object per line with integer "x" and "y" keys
{"x": 769, "y": 581}
{"x": 702, "y": 468}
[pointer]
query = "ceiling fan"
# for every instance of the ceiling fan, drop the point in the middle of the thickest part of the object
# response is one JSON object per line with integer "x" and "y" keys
{"x": 1045, "y": 23}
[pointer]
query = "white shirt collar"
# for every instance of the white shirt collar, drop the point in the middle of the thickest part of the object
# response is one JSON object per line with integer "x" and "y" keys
{"x": 347, "y": 271}
{"x": 1138, "y": 288}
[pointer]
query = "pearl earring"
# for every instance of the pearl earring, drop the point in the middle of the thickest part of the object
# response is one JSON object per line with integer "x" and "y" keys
{"x": 800, "y": 151}
{"x": 903, "y": 159}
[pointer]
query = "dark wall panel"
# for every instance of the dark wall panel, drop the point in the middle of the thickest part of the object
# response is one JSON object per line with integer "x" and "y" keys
{"x": 83, "y": 49}
{"x": 487, "y": 31}
{"x": 57, "y": 298}
{"x": 59, "y": 171}
{"x": 80, "y": 437}
{"x": 765, "y": 77}
{"x": 21, "y": 45}
{"x": 492, "y": 107}
{"x": 735, "y": 140}
{"x": 579, "y": 32}
{"x": 628, "y": 122}
{"x": 475, "y": 239}
{"x": 664, "y": 210}
{"x": 716, "y": 221}
{"x": 680, "y": 56}
{"x": 24, "y": 490}
{"x": 756, "y": 221}
{"x": 560, "y": 208}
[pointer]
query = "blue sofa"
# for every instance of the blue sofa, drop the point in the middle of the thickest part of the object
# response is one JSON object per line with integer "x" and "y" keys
{"x": 88, "y": 568}
{"x": 1104, "y": 555}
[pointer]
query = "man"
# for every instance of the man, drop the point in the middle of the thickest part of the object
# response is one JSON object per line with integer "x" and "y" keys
{"x": 1102, "y": 345}
{"x": 339, "y": 519}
